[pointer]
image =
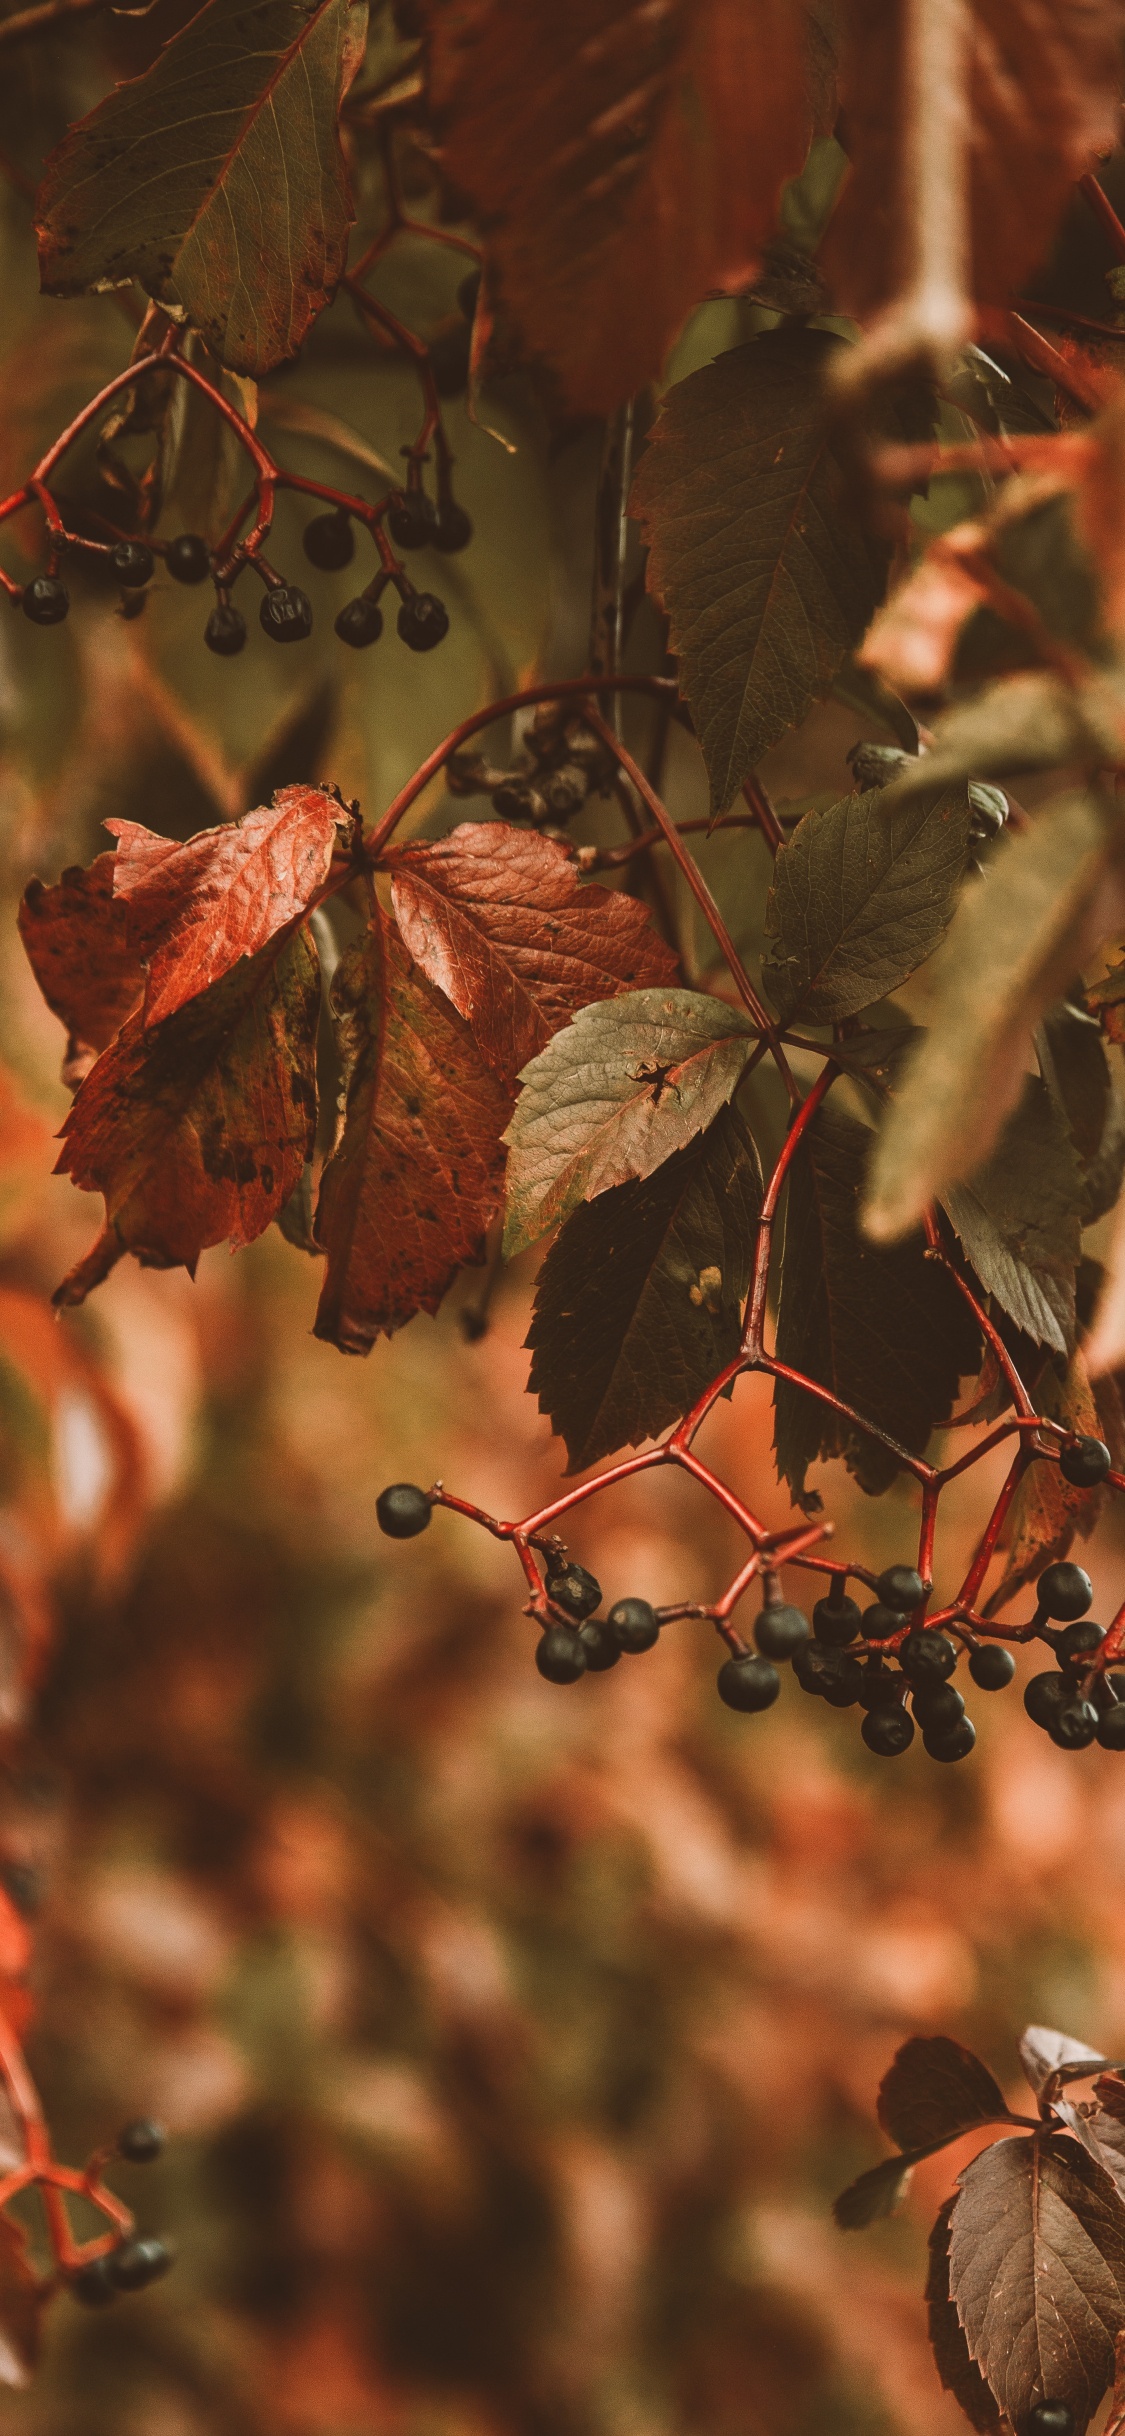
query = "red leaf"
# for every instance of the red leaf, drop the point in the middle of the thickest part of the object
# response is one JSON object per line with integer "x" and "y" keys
{"x": 76, "y": 938}
{"x": 199, "y": 1128}
{"x": 499, "y": 919}
{"x": 195, "y": 908}
{"x": 415, "y": 1177}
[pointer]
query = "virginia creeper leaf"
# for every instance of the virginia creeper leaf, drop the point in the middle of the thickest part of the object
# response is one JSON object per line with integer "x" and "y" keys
{"x": 216, "y": 179}
{"x": 758, "y": 548}
{"x": 198, "y": 1128}
{"x": 1076, "y": 1070}
{"x": 1102, "y": 2134}
{"x": 1018, "y": 937}
{"x": 624, "y": 160}
{"x": 875, "y": 2194}
{"x": 1047, "y": 2055}
{"x": 936, "y": 2089}
{"x": 1047, "y": 1510}
{"x": 499, "y": 919}
{"x": 1037, "y": 2273}
{"x": 1032, "y": 721}
{"x": 639, "y": 1300}
{"x": 415, "y": 1176}
{"x": 959, "y": 2374}
{"x": 1020, "y": 1219}
{"x": 612, "y": 1096}
{"x": 75, "y": 936}
{"x": 887, "y": 1332}
{"x": 861, "y": 896}
{"x": 195, "y": 908}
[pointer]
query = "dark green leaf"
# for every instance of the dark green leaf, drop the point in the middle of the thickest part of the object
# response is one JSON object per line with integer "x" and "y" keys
{"x": 936, "y": 2089}
{"x": 887, "y": 1332}
{"x": 959, "y": 2374}
{"x": 639, "y": 1299}
{"x": 1037, "y": 2273}
{"x": 1020, "y": 1220}
{"x": 758, "y": 549}
{"x": 861, "y": 896}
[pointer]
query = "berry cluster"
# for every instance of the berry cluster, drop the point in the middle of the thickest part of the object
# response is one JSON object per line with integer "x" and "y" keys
{"x": 563, "y": 763}
{"x": 129, "y": 2264}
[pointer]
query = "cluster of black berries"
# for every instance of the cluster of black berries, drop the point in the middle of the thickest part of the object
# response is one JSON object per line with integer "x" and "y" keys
{"x": 563, "y": 764}
{"x": 130, "y": 2265}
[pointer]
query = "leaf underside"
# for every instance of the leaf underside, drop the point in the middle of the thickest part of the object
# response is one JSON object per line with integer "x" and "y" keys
{"x": 76, "y": 941}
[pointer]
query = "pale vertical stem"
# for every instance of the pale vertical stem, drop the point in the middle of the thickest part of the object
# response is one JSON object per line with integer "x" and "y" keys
{"x": 932, "y": 317}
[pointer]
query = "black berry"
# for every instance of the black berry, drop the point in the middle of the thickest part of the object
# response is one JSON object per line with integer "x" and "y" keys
{"x": 900, "y": 1586}
{"x": 1075, "y": 1638}
{"x": 880, "y": 1686}
{"x": 956, "y": 1743}
{"x": 1111, "y": 1727}
{"x": 142, "y": 2142}
{"x": 93, "y": 2284}
{"x": 843, "y": 1679}
{"x": 138, "y": 2263}
{"x": 410, "y": 522}
{"x": 1085, "y": 1463}
{"x": 468, "y": 293}
{"x": 888, "y": 1732}
{"x": 991, "y": 1666}
{"x": 780, "y": 1630}
{"x": 748, "y": 1683}
{"x": 225, "y": 630}
{"x": 836, "y": 1622}
{"x": 880, "y": 1623}
{"x": 449, "y": 360}
{"x": 602, "y": 1647}
{"x": 360, "y": 622}
{"x": 938, "y": 1707}
{"x": 575, "y": 1591}
{"x": 1065, "y": 1592}
{"x": 559, "y": 1655}
{"x": 1074, "y": 1725}
{"x": 286, "y": 614}
{"x": 422, "y": 621}
{"x": 1043, "y": 1696}
{"x": 453, "y": 529}
{"x": 1049, "y": 2419}
{"x": 812, "y": 1665}
{"x": 46, "y": 600}
{"x": 132, "y": 562}
{"x": 188, "y": 559}
{"x": 402, "y": 1510}
{"x": 634, "y": 1626}
{"x": 329, "y": 543}
{"x": 927, "y": 1656}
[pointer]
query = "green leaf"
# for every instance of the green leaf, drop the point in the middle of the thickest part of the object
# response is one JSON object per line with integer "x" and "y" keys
{"x": 639, "y": 1300}
{"x": 217, "y": 179}
{"x": 612, "y": 1096}
{"x": 861, "y": 896}
{"x": 1019, "y": 935}
{"x": 1020, "y": 1220}
{"x": 886, "y": 1331}
{"x": 758, "y": 547}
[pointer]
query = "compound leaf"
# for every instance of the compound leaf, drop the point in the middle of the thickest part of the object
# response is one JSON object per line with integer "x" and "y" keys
{"x": 639, "y": 1300}
{"x": 499, "y": 919}
{"x": 1037, "y": 2273}
{"x": 861, "y": 896}
{"x": 76, "y": 939}
{"x": 414, "y": 1179}
{"x": 216, "y": 179}
{"x": 758, "y": 549}
{"x": 936, "y": 2089}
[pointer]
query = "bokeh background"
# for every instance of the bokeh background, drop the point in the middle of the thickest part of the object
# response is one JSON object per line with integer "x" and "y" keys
{"x": 512, "y": 2040}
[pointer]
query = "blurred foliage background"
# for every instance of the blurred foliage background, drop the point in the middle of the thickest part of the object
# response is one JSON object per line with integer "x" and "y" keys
{"x": 512, "y": 2040}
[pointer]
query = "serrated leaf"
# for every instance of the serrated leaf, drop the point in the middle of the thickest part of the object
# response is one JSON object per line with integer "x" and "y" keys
{"x": 1037, "y": 2273}
{"x": 934, "y": 2090}
{"x": 886, "y": 1331}
{"x": 1017, "y": 939}
{"x": 194, "y": 908}
{"x": 1102, "y": 2134}
{"x": 959, "y": 2374}
{"x": 414, "y": 1179}
{"x": 198, "y": 1128}
{"x": 1020, "y": 1220}
{"x": 499, "y": 919}
{"x": 76, "y": 942}
{"x": 861, "y": 896}
{"x": 626, "y": 161}
{"x": 612, "y": 1096}
{"x": 1047, "y": 1510}
{"x": 757, "y": 546}
{"x": 1046, "y": 2053}
{"x": 875, "y": 2194}
{"x": 639, "y": 1300}
{"x": 216, "y": 179}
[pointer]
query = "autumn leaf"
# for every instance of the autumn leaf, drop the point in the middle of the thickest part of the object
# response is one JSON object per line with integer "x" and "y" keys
{"x": 415, "y": 1177}
{"x": 959, "y": 2374}
{"x": 75, "y": 935}
{"x": 1037, "y": 2273}
{"x": 875, "y": 2194}
{"x": 499, "y": 919}
{"x": 757, "y": 548}
{"x": 638, "y": 1303}
{"x": 934, "y": 2090}
{"x": 624, "y": 162}
{"x": 612, "y": 1096}
{"x": 1049, "y": 2058}
{"x": 861, "y": 896}
{"x": 216, "y": 179}
{"x": 1047, "y": 1510}
{"x": 198, "y": 1128}
{"x": 194, "y": 908}
{"x": 887, "y": 1332}
{"x": 1020, "y": 1220}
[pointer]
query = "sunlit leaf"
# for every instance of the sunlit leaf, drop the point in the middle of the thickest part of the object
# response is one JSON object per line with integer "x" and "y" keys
{"x": 1037, "y": 2273}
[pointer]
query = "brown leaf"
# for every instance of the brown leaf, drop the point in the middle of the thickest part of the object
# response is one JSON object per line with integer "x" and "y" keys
{"x": 195, "y": 908}
{"x": 415, "y": 1176}
{"x": 75, "y": 937}
{"x": 1047, "y": 1510}
{"x": 624, "y": 161}
{"x": 1049, "y": 2057}
{"x": 1037, "y": 2273}
{"x": 499, "y": 919}
{"x": 22, "y": 2300}
{"x": 959, "y": 2374}
{"x": 934, "y": 2090}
